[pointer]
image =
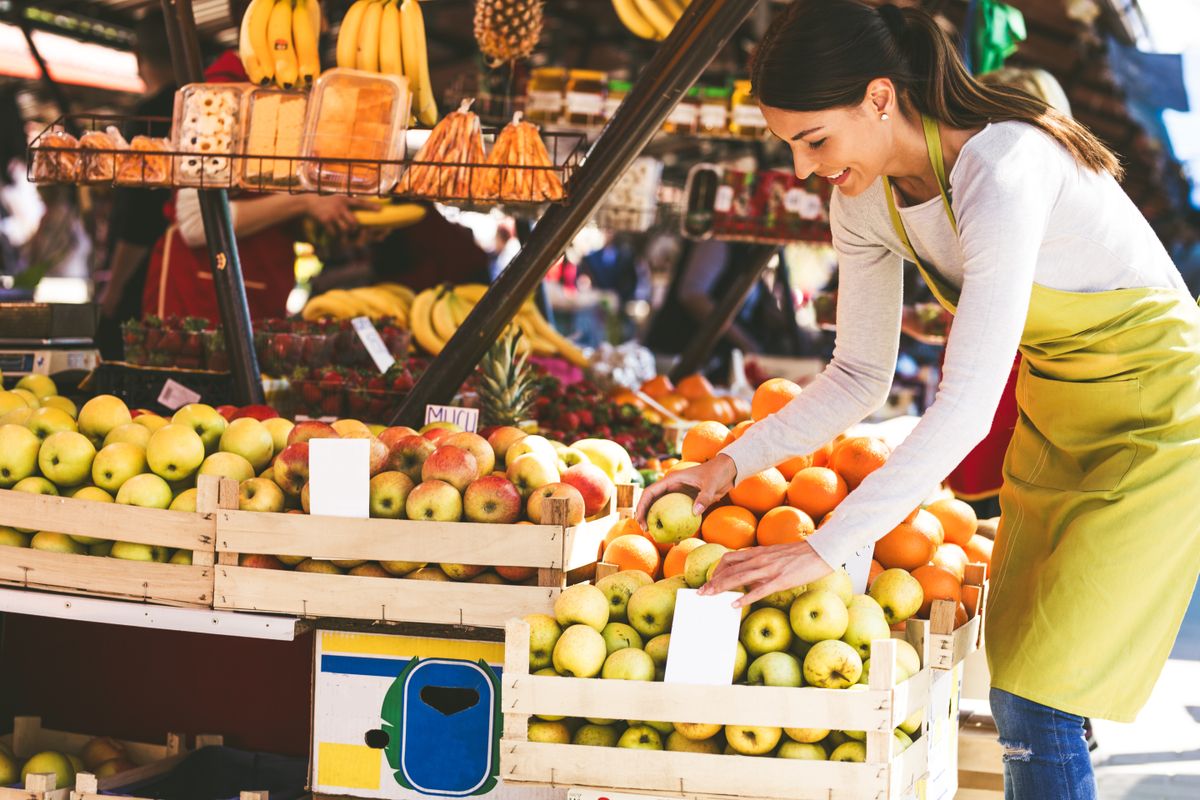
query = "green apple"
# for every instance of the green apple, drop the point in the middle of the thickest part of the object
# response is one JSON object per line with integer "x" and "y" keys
{"x": 696, "y": 731}
{"x": 865, "y": 602}
{"x": 765, "y": 631}
{"x": 544, "y": 631}
{"x": 130, "y": 432}
{"x": 665, "y": 728}
{"x": 175, "y": 452}
{"x": 11, "y": 537}
{"x": 671, "y": 519}
{"x": 628, "y": 664}
{"x": 66, "y": 458}
{"x": 618, "y": 635}
{"x": 45, "y": 421}
{"x": 49, "y": 761}
{"x": 651, "y": 609}
{"x": 806, "y": 735}
{"x": 399, "y": 569}
{"x": 579, "y": 652}
{"x": 10, "y": 402}
{"x": 592, "y": 735}
{"x": 30, "y": 399}
{"x": 151, "y": 422}
{"x": 227, "y": 465}
{"x": 837, "y": 582}
{"x": 260, "y": 494}
{"x": 740, "y": 660}
{"x": 549, "y": 732}
{"x": 184, "y": 501}
{"x": 832, "y": 664}
{"x": 799, "y": 750}
{"x": 100, "y": 415}
{"x": 389, "y": 492}
{"x": 751, "y": 740}
{"x": 279, "y": 428}
{"x": 250, "y": 439}
{"x": 775, "y": 669}
{"x": 698, "y": 562}
{"x": 782, "y": 599}
{"x": 537, "y": 445}
{"x": 908, "y": 658}
{"x": 56, "y": 543}
{"x": 100, "y": 549}
{"x": 913, "y": 723}
{"x": 819, "y": 614}
{"x": 850, "y": 751}
{"x": 657, "y": 649}
{"x": 641, "y": 737}
{"x": 901, "y": 740}
{"x": 181, "y": 557}
{"x": 61, "y": 403}
{"x": 18, "y": 454}
{"x": 678, "y": 743}
{"x": 582, "y": 603}
{"x": 132, "y": 551}
{"x": 835, "y": 739}
{"x": 618, "y": 587}
{"x": 18, "y": 416}
{"x": 146, "y": 491}
{"x": 10, "y": 769}
{"x": 40, "y": 385}
{"x": 898, "y": 593}
{"x": 117, "y": 463}
{"x": 865, "y": 625}
{"x": 205, "y": 421}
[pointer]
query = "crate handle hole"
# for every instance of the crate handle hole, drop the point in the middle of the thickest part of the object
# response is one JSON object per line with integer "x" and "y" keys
{"x": 449, "y": 700}
{"x": 377, "y": 739}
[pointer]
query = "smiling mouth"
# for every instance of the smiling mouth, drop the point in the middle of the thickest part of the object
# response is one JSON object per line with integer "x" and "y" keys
{"x": 837, "y": 175}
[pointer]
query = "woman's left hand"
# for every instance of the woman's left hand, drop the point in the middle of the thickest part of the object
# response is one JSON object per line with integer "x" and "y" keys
{"x": 765, "y": 570}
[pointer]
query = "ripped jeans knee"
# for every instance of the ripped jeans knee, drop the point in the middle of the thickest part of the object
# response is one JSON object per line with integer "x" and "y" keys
{"x": 1016, "y": 751}
{"x": 1045, "y": 754}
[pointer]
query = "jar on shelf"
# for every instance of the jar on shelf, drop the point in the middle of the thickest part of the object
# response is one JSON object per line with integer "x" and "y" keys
{"x": 545, "y": 95}
{"x": 746, "y": 118}
{"x": 617, "y": 91}
{"x": 586, "y": 90}
{"x": 714, "y": 111}
{"x": 684, "y": 118}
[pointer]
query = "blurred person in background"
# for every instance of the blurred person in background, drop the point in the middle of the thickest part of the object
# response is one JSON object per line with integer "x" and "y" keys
{"x": 21, "y": 208}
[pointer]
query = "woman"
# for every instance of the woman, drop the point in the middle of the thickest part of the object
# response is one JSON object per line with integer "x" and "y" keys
{"x": 1013, "y": 214}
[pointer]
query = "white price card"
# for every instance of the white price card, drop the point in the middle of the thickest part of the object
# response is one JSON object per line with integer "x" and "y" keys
{"x": 339, "y": 477}
{"x": 704, "y": 634}
{"x": 175, "y": 395}
{"x": 371, "y": 340}
{"x": 723, "y": 201}
{"x": 859, "y": 567}
{"x": 465, "y": 418}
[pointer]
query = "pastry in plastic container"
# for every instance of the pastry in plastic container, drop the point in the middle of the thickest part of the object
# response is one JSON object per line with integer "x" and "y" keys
{"x": 56, "y": 158}
{"x": 98, "y": 162}
{"x": 140, "y": 166}
{"x": 206, "y": 132}
{"x": 354, "y": 137}
{"x": 272, "y": 125}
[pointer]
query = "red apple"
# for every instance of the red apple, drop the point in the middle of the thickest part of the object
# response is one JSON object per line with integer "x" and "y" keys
{"x": 391, "y": 436}
{"x": 503, "y": 438}
{"x": 537, "y": 510}
{"x": 516, "y": 574}
{"x": 435, "y": 501}
{"x": 595, "y": 486}
{"x": 530, "y": 471}
{"x": 453, "y": 465}
{"x": 291, "y": 468}
{"x": 436, "y": 435}
{"x": 311, "y": 429}
{"x": 487, "y": 430}
{"x": 492, "y": 499}
{"x": 408, "y": 455}
{"x": 258, "y": 412}
{"x": 225, "y": 411}
{"x": 477, "y": 446}
{"x": 379, "y": 456}
{"x": 260, "y": 561}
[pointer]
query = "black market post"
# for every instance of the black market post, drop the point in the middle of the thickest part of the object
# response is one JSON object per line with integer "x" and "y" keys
{"x": 710, "y": 331}
{"x": 218, "y": 225}
{"x": 703, "y": 30}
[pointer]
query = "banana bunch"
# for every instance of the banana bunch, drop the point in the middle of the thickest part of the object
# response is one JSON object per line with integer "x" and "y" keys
{"x": 438, "y": 312}
{"x": 380, "y": 300}
{"x": 278, "y": 42}
{"x": 650, "y": 19}
{"x": 390, "y": 215}
{"x": 388, "y": 36}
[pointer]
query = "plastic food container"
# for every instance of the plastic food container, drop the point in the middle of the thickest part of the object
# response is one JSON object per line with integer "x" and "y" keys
{"x": 354, "y": 136}
{"x": 272, "y": 125}
{"x": 140, "y": 166}
{"x": 98, "y": 164}
{"x": 56, "y": 158}
{"x": 207, "y": 128}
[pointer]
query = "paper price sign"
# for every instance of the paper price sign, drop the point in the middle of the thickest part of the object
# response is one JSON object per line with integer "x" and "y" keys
{"x": 371, "y": 340}
{"x": 175, "y": 395}
{"x": 465, "y": 418}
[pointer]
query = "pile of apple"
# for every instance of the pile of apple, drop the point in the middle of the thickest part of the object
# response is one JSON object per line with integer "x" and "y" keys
{"x": 107, "y": 453}
{"x": 816, "y": 635}
{"x": 101, "y": 756}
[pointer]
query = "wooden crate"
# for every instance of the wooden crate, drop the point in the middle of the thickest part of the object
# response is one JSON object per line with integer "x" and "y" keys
{"x": 30, "y": 738}
{"x": 558, "y": 552}
{"x": 151, "y": 582}
{"x": 980, "y": 758}
{"x": 711, "y": 777}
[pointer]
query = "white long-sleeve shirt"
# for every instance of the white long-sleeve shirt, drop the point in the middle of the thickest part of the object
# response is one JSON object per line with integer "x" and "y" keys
{"x": 1027, "y": 213}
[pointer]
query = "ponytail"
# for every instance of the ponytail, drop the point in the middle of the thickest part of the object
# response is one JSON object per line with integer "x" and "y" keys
{"x": 822, "y": 54}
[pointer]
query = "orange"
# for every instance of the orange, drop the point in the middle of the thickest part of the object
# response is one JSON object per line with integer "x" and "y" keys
{"x": 979, "y": 551}
{"x": 653, "y": 463}
{"x": 738, "y": 430}
{"x": 761, "y": 492}
{"x": 675, "y": 403}
{"x": 958, "y": 519}
{"x": 772, "y": 395}
{"x": 820, "y": 456}
{"x": 695, "y": 386}
{"x": 705, "y": 408}
{"x": 910, "y": 544}
{"x": 621, "y": 528}
{"x": 951, "y": 558}
{"x": 857, "y": 457}
{"x": 938, "y": 584}
{"x": 784, "y": 525}
{"x": 825, "y": 519}
{"x": 816, "y": 491}
{"x": 876, "y": 571}
{"x": 741, "y": 408}
{"x": 677, "y": 556}
{"x": 732, "y": 526}
{"x": 790, "y": 467}
{"x": 667, "y": 463}
{"x": 633, "y": 552}
{"x": 658, "y": 387}
{"x": 703, "y": 441}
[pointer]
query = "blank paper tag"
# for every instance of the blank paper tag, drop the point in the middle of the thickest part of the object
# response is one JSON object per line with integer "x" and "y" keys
{"x": 859, "y": 567}
{"x": 373, "y": 342}
{"x": 465, "y": 418}
{"x": 704, "y": 636}
{"x": 339, "y": 477}
{"x": 175, "y": 395}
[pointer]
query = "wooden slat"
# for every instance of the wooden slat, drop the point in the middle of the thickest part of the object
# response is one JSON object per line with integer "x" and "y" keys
{"x": 175, "y": 529}
{"x": 380, "y": 599}
{"x": 174, "y": 584}
{"x": 883, "y": 678}
{"x": 516, "y": 662}
{"x": 581, "y": 545}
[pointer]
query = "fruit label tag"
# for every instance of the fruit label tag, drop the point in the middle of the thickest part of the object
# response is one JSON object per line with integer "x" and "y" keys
{"x": 175, "y": 395}
{"x": 339, "y": 477}
{"x": 704, "y": 635}
{"x": 465, "y": 418}
{"x": 859, "y": 567}
{"x": 373, "y": 342}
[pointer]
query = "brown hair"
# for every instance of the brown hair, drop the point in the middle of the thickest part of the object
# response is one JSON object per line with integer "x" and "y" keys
{"x": 821, "y": 54}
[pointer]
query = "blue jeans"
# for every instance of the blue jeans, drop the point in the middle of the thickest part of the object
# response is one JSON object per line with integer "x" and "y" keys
{"x": 1045, "y": 752}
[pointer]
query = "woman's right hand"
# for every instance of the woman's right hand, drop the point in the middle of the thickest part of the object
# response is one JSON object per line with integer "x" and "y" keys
{"x": 709, "y": 482}
{"x": 335, "y": 211}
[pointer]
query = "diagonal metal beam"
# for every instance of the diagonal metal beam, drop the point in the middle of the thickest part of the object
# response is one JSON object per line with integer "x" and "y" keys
{"x": 697, "y": 38}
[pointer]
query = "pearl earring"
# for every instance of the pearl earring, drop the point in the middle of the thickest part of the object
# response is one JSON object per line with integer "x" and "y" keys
{"x": 883, "y": 117}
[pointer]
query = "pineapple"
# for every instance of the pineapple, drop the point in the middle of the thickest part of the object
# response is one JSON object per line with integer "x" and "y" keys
{"x": 507, "y": 29}
{"x": 506, "y": 386}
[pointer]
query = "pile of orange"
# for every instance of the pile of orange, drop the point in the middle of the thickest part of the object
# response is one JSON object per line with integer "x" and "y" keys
{"x": 694, "y": 398}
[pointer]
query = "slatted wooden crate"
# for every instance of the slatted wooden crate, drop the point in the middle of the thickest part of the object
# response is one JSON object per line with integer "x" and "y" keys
{"x": 559, "y": 552}
{"x": 151, "y": 582}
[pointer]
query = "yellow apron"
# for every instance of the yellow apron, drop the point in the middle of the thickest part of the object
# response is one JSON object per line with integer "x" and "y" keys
{"x": 1099, "y": 542}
